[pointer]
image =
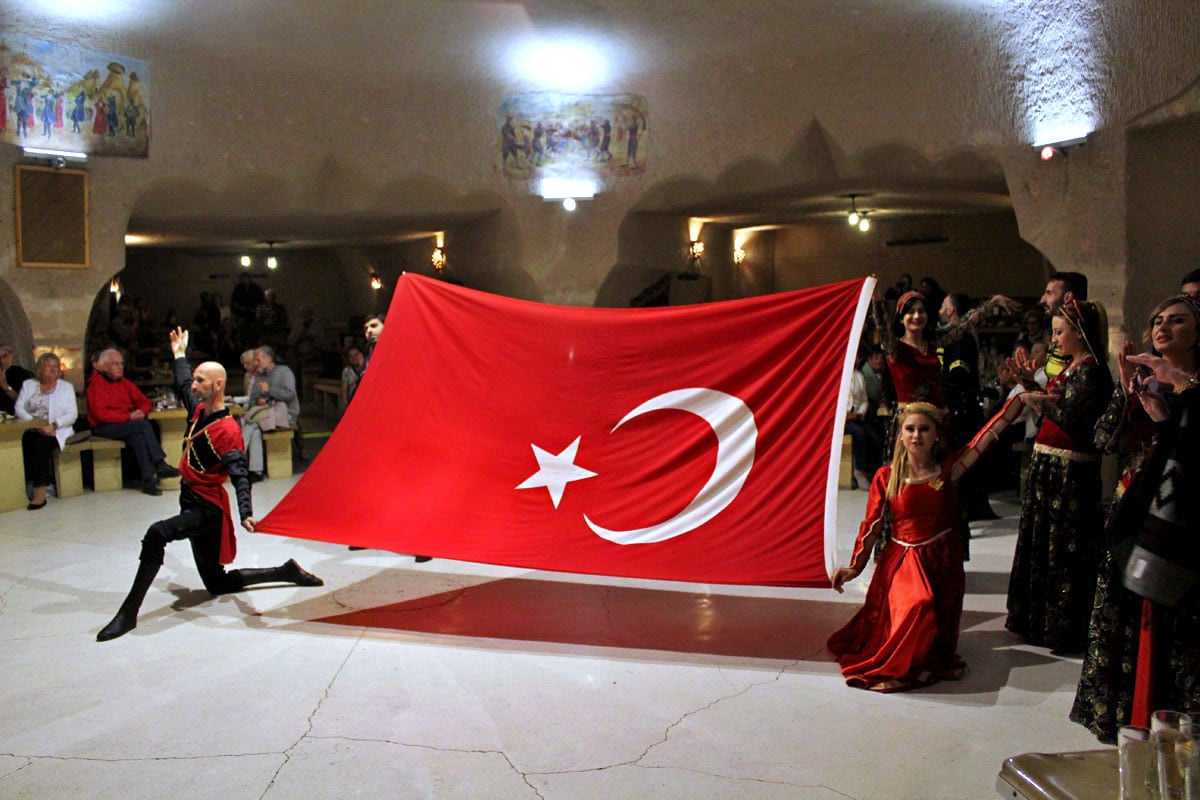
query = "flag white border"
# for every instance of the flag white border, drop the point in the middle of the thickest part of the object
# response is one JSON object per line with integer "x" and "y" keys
{"x": 839, "y": 423}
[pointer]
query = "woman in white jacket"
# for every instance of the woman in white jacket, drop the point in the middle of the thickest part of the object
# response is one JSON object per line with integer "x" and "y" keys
{"x": 51, "y": 401}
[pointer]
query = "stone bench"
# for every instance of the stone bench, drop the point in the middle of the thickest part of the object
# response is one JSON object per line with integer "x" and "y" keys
{"x": 106, "y": 466}
{"x": 277, "y": 450}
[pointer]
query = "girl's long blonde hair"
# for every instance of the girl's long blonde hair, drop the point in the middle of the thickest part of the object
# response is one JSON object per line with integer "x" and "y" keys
{"x": 900, "y": 453}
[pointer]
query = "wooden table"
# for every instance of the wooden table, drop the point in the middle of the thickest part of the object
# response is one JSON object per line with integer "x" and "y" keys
{"x": 330, "y": 393}
{"x": 12, "y": 464}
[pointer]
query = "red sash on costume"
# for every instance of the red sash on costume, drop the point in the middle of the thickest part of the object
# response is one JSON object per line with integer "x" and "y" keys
{"x": 219, "y": 437}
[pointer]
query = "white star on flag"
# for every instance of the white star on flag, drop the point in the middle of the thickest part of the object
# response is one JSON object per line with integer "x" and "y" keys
{"x": 556, "y": 471}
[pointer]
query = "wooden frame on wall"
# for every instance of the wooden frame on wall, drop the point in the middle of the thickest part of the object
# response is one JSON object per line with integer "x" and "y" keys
{"x": 52, "y": 217}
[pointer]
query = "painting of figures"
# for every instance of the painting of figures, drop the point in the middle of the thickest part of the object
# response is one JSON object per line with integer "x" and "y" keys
{"x": 65, "y": 98}
{"x": 551, "y": 134}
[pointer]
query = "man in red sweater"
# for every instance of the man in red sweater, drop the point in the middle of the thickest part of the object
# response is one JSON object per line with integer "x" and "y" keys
{"x": 117, "y": 409}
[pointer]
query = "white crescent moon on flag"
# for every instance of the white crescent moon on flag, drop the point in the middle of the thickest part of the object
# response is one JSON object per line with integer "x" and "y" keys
{"x": 733, "y": 423}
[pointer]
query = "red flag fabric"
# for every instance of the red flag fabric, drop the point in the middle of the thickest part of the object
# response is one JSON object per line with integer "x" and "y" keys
{"x": 694, "y": 443}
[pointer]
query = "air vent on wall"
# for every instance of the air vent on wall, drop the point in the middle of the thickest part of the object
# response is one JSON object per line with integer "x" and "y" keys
{"x": 917, "y": 240}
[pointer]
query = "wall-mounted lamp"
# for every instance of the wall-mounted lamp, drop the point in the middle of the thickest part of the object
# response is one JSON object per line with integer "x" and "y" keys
{"x": 1048, "y": 150}
{"x": 114, "y": 288}
{"x": 696, "y": 249}
{"x": 56, "y": 158}
{"x": 376, "y": 283}
{"x": 438, "y": 259}
{"x": 739, "y": 255}
{"x": 245, "y": 261}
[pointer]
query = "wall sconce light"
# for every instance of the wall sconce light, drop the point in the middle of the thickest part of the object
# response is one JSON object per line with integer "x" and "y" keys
{"x": 1049, "y": 150}
{"x": 272, "y": 261}
{"x": 739, "y": 255}
{"x": 696, "y": 249}
{"x": 864, "y": 224}
{"x": 245, "y": 261}
{"x": 376, "y": 283}
{"x": 438, "y": 258}
{"x": 114, "y": 288}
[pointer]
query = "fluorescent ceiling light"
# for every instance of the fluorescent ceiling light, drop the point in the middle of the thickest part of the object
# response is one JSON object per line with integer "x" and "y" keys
{"x": 43, "y": 152}
{"x": 562, "y": 188}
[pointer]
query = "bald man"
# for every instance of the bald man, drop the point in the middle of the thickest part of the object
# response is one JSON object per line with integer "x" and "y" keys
{"x": 212, "y": 452}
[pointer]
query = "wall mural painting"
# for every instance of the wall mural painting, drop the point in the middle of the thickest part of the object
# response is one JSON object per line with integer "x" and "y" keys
{"x": 600, "y": 137}
{"x": 65, "y": 98}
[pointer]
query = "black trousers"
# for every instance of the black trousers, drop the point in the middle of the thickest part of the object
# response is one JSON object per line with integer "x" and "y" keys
{"x": 198, "y": 521}
{"x": 38, "y": 450}
{"x": 140, "y": 436}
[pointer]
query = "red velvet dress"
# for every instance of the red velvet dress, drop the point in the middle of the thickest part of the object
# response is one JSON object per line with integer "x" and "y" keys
{"x": 916, "y": 375}
{"x": 906, "y": 633}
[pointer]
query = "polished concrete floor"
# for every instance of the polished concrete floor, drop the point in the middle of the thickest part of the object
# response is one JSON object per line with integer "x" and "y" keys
{"x": 457, "y": 680}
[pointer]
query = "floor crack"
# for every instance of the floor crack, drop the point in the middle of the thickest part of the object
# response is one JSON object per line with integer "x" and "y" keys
{"x": 287, "y": 753}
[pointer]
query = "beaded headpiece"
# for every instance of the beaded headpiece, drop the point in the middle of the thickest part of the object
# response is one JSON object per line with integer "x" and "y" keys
{"x": 1074, "y": 312}
{"x": 912, "y": 294}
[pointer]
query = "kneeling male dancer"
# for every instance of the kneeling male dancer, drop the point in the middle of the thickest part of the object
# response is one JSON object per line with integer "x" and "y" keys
{"x": 212, "y": 450}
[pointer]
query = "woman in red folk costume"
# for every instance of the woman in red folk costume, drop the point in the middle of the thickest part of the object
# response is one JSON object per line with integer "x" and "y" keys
{"x": 212, "y": 452}
{"x": 910, "y": 342}
{"x": 906, "y": 634}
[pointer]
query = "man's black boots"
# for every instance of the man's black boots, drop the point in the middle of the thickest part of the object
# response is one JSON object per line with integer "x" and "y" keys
{"x": 290, "y": 572}
{"x": 126, "y": 618}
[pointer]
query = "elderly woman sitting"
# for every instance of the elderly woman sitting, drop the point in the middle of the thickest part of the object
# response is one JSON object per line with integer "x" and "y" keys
{"x": 50, "y": 401}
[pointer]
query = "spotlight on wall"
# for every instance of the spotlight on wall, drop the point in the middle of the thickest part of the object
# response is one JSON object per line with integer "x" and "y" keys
{"x": 1049, "y": 150}
{"x": 739, "y": 255}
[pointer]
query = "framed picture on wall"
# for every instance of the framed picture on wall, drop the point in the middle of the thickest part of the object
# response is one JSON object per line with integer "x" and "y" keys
{"x": 52, "y": 217}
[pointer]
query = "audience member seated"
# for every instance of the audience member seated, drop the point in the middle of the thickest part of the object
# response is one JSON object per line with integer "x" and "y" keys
{"x": 117, "y": 409}
{"x": 307, "y": 339}
{"x": 12, "y": 376}
{"x": 51, "y": 401}
{"x": 356, "y": 365}
{"x": 242, "y": 304}
{"x": 227, "y": 344}
{"x": 247, "y": 359}
{"x": 1190, "y": 285}
{"x": 1034, "y": 328}
{"x": 273, "y": 403}
{"x": 865, "y": 442}
{"x": 271, "y": 322}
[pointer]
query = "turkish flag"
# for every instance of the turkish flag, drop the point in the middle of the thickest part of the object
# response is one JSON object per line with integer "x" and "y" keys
{"x": 696, "y": 443}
